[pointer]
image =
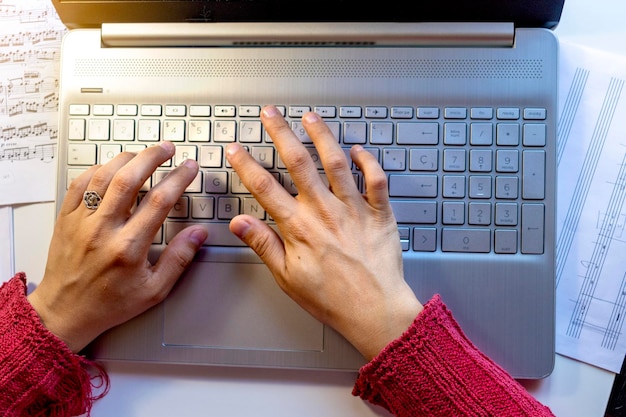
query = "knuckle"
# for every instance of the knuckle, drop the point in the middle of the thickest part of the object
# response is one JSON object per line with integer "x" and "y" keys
{"x": 159, "y": 200}
{"x": 179, "y": 260}
{"x": 298, "y": 161}
{"x": 122, "y": 183}
{"x": 99, "y": 180}
{"x": 261, "y": 246}
{"x": 336, "y": 163}
{"x": 124, "y": 252}
{"x": 377, "y": 181}
{"x": 262, "y": 242}
{"x": 74, "y": 188}
{"x": 262, "y": 184}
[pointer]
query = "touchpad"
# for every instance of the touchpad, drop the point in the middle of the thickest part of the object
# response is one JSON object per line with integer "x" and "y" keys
{"x": 236, "y": 305}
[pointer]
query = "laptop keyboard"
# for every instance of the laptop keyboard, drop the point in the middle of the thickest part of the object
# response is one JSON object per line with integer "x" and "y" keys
{"x": 460, "y": 179}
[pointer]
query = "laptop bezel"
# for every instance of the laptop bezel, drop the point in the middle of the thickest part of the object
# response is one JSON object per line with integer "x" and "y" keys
{"x": 92, "y": 13}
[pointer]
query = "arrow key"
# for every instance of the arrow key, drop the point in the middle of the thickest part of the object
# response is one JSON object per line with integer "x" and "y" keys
{"x": 424, "y": 239}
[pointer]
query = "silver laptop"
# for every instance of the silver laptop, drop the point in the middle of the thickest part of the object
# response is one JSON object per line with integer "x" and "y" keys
{"x": 457, "y": 102}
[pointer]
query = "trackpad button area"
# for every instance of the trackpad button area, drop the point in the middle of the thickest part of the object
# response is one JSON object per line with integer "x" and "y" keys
{"x": 236, "y": 305}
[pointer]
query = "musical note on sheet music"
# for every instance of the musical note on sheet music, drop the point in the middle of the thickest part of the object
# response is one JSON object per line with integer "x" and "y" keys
{"x": 25, "y": 11}
{"x": 591, "y": 272}
{"x": 39, "y": 152}
{"x": 30, "y": 47}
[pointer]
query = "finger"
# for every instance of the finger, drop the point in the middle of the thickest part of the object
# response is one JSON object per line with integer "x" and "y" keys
{"x": 374, "y": 177}
{"x": 158, "y": 202}
{"x": 128, "y": 179}
{"x": 276, "y": 201}
{"x": 176, "y": 256}
{"x": 333, "y": 158}
{"x": 101, "y": 178}
{"x": 263, "y": 240}
{"x": 74, "y": 195}
{"x": 294, "y": 155}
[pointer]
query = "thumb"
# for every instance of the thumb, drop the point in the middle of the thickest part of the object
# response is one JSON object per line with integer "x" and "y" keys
{"x": 263, "y": 240}
{"x": 177, "y": 255}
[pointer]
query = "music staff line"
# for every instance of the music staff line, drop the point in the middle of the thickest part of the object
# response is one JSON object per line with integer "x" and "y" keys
{"x": 47, "y": 103}
{"x": 34, "y": 37}
{"x": 42, "y": 129}
{"x": 31, "y": 82}
{"x": 30, "y": 55}
{"x": 44, "y": 153}
{"x": 28, "y": 94}
{"x": 616, "y": 320}
{"x": 612, "y": 331}
{"x": 39, "y": 15}
{"x": 567, "y": 233}
{"x": 610, "y": 227}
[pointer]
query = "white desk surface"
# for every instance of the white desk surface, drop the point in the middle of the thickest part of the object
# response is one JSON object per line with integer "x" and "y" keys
{"x": 574, "y": 389}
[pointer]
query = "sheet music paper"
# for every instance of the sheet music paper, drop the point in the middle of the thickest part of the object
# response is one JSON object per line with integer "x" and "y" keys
{"x": 6, "y": 244}
{"x": 30, "y": 42}
{"x": 591, "y": 207}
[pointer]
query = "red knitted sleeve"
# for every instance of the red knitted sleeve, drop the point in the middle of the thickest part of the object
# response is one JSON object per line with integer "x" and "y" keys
{"x": 434, "y": 370}
{"x": 39, "y": 375}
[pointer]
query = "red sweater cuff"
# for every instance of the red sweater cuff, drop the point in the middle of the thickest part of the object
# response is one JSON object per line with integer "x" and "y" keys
{"x": 39, "y": 375}
{"x": 433, "y": 369}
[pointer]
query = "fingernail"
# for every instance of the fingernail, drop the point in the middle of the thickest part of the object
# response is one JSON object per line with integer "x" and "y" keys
{"x": 311, "y": 117}
{"x": 270, "y": 111}
{"x": 168, "y": 146}
{"x": 232, "y": 148}
{"x": 198, "y": 236}
{"x": 190, "y": 163}
{"x": 240, "y": 228}
{"x": 357, "y": 148}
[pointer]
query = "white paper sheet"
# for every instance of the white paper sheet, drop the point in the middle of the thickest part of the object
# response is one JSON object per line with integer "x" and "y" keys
{"x": 591, "y": 248}
{"x": 30, "y": 41}
{"x": 6, "y": 244}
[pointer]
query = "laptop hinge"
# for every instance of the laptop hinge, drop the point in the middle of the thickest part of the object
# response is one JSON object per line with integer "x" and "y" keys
{"x": 499, "y": 34}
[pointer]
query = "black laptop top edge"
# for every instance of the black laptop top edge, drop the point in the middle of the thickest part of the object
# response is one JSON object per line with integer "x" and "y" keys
{"x": 92, "y": 13}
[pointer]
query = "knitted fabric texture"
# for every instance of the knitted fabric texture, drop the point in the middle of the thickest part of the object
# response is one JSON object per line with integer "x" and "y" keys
{"x": 433, "y": 369}
{"x": 39, "y": 375}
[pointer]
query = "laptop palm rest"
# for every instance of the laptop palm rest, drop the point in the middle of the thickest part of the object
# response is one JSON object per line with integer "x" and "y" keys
{"x": 236, "y": 305}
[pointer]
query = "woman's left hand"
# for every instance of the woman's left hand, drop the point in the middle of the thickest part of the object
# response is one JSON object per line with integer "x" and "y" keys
{"x": 98, "y": 274}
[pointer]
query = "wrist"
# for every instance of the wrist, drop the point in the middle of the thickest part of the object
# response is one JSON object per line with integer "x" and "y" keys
{"x": 388, "y": 326}
{"x": 53, "y": 324}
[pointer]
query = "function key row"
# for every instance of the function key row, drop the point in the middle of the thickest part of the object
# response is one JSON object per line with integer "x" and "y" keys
{"x": 349, "y": 112}
{"x": 151, "y": 110}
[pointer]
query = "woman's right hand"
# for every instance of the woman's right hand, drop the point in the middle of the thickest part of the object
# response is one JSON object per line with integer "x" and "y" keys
{"x": 338, "y": 253}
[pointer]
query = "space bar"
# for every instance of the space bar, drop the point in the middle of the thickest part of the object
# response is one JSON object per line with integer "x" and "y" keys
{"x": 219, "y": 234}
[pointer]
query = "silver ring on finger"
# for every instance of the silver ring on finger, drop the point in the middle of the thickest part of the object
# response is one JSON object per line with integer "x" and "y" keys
{"x": 92, "y": 199}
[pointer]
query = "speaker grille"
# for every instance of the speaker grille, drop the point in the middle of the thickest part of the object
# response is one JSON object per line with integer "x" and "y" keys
{"x": 311, "y": 68}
